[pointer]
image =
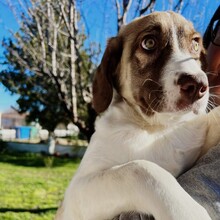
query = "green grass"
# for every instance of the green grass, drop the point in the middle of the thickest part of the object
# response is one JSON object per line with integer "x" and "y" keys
{"x": 32, "y": 186}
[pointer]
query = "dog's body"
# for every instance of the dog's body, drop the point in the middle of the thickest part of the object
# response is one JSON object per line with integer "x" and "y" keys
{"x": 153, "y": 93}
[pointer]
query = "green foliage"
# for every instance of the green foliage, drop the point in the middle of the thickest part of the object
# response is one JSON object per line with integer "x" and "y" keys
{"x": 48, "y": 161}
{"x": 37, "y": 95}
{"x": 50, "y": 68}
{"x": 29, "y": 190}
{"x": 2, "y": 146}
{"x": 27, "y": 216}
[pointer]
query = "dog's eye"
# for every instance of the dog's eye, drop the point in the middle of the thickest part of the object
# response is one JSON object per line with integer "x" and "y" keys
{"x": 195, "y": 45}
{"x": 149, "y": 43}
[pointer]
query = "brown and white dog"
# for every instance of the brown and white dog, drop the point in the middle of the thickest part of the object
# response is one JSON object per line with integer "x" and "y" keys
{"x": 152, "y": 93}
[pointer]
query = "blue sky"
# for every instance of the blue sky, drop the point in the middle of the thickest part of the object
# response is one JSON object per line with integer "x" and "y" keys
{"x": 7, "y": 22}
{"x": 100, "y": 25}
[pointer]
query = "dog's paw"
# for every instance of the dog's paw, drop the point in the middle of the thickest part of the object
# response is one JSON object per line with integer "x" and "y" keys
{"x": 133, "y": 216}
{"x": 187, "y": 142}
{"x": 214, "y": 119}
{"x": 196, "y": 212}
{"x": 214, "y": 116}
{"x": 192, "y": 134}
{"x": 213, "y": 130}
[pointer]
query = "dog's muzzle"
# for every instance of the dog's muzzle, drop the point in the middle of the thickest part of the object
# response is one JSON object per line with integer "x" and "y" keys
{"x": 192, "y": 88}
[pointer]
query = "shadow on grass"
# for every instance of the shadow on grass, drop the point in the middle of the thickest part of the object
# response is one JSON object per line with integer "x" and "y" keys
{"x": 34, "y": 159}
{"x": 37, "y": 211}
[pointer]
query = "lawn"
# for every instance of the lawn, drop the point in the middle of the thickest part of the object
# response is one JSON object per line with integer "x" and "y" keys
{"x": 32, "y": 185}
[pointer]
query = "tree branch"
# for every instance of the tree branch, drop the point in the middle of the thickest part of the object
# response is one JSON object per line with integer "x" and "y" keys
{"x": 149, "y": 6}
{"x": 178, "y": 6}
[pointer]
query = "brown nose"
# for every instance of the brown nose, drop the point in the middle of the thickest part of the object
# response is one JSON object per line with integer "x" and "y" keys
{"x": 192, "y": 87}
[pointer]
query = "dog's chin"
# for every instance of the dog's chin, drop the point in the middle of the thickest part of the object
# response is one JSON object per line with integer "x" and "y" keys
{"x": 197, "y": 107}
{"x": 170, "y": 114}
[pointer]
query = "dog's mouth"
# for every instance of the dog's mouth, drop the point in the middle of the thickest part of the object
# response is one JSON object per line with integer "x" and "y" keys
{"x": 182, "y": 106}
{"x": 196, "y": 107}
{"x": 193, "y": 92}
{"x": 189, "y": 93}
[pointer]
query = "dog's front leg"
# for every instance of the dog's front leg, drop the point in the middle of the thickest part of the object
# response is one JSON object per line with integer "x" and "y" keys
{"x": 140, "y": 186}
{"x": 176, "y": 149}
{"x": 213, "y": 131}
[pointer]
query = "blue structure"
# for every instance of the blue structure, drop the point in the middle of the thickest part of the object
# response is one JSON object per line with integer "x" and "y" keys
{"x": 23, "y": 132}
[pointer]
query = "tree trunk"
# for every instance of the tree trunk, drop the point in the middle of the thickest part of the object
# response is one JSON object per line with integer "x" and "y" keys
{"x": 72, "y": 61}
{"x": 51, "y": 143}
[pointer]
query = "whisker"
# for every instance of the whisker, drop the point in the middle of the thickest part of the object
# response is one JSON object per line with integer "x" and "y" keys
{"x": 214, "y": 96}
{"x": 158, "y": 90}
{"x": 214, "y": 86}
{"x": 151, "y": 80}
{"x": 212, "y": 73}
{"x": 211, "y": 105}
{"x": 150, "y": 105}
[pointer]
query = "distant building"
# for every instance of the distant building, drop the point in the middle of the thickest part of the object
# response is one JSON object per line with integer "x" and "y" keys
{"x": 11, "y": 119}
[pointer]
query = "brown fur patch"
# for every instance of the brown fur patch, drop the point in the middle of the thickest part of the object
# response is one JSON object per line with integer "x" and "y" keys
{"x": 141, "y": 69}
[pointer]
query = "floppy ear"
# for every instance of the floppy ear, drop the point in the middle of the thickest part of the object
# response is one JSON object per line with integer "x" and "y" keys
{"x": 105, "y": 76}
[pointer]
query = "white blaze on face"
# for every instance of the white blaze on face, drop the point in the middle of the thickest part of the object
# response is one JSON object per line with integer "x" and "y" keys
{"x": 180, "y": 62}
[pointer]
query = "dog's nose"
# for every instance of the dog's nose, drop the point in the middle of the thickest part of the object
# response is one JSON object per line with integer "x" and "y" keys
{"x": 192, "y": 87}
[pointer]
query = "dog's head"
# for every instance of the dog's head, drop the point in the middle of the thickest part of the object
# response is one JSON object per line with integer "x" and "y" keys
{"x": 154, "y": 63}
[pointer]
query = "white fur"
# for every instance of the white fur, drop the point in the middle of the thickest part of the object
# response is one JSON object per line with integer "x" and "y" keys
{"x": 120, "y": 171}
{"x": 132, "y": 158}
{"x": 179, "y": 63}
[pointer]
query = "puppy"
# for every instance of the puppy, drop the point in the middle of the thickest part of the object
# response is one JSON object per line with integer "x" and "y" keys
{"x": 152, "y": 94}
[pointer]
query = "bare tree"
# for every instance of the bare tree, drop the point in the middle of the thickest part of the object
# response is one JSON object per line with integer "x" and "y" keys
{"x": 139, "y": 8}
{"x": 123, "y": 8}
{"x": 52, "y": 46}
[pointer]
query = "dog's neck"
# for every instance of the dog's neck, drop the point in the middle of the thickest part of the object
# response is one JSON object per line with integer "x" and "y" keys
{"x": 121, "y": 110}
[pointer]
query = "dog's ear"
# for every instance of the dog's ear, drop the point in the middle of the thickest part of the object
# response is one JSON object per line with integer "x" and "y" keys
{"x": 105, "y": 76}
